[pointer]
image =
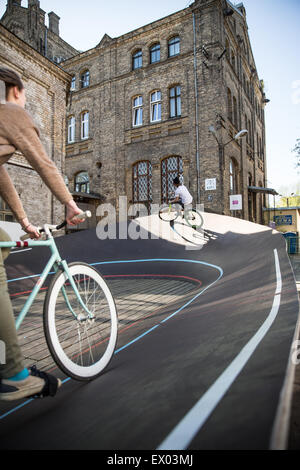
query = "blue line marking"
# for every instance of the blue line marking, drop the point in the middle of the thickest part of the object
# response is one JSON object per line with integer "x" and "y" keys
{"x": 218, "y": 268}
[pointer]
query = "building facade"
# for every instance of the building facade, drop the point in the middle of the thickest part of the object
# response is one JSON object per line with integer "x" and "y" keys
{"x": 46, "y": 89}
{"x": 29, "y": 25}
{"x": 143, "y": 103}
{"x": 165, "y": 100}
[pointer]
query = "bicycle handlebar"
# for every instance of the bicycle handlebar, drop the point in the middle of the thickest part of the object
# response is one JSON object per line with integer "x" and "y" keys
{"x": 54, "y": 228}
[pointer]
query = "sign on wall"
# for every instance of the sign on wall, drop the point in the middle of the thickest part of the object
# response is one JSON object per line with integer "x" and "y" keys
{"x": 236, "y": 202}
{"x": 211, "y": 184}
{"x": 283, "y": 219}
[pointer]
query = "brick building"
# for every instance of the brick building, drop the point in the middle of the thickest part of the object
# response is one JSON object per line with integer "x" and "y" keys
{"x": 166, "y": 99}
{"x": 29, "y": 25}
{"x": 143, "y": 103}
{"x": 46, "y": 88}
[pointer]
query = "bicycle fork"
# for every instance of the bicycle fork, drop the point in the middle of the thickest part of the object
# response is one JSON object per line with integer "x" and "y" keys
{"x": 68, "y": 276}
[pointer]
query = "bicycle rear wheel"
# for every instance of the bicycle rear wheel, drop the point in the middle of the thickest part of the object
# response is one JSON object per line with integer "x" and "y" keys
{"x": 169, "y": 212}
{"x": 193, "y": 218}
{"x": 82, "y": 345}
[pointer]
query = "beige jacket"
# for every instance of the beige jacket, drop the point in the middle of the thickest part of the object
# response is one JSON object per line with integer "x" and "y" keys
{"x": 18, "y": 132}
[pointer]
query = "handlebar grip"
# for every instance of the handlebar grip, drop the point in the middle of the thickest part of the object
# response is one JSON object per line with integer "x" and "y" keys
{"x": 27, "y": 236}
{"x": 83, "y": 215}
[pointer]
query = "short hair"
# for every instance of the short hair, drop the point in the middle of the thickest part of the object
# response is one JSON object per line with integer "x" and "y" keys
{"x": 11, "y": 79}
{"x": 176, "y": 180}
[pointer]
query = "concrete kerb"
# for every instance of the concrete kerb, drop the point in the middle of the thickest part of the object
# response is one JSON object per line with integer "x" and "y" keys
{"x": 282, "y": 423}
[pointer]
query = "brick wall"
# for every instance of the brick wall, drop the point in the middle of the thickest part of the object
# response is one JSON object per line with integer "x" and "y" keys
{"x": 46, "y": 86}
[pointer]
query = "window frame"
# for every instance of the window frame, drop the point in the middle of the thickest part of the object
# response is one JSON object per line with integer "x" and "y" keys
{"x": 155, "y": 104}
{"x": 137, "y": 111}
{"x": 177, "y": 102}
{"x": 164, "y": 175}
{"x": 156, "y": 52}
{"x": 71, "y": 126}
{"x": 137, "y": 56}
{"x": 82, "y": 125}
{"x": 85, "y": 83}
{"x": 135, "y": 179}
{"x": 86, "y": 184}
{"x": 176, "y": 41}
{"x": 73, "y": 83}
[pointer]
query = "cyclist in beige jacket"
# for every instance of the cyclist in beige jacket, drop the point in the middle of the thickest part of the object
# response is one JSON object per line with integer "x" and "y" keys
{"x": 18, "y": 132}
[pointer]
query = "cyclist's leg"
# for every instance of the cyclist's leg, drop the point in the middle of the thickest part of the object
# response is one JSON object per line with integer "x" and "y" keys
{"x": 8, "y": 334}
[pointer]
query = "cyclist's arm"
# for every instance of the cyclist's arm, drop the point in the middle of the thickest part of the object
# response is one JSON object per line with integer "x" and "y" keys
{"x": 9, "y": 193}
{"x": 20, "y": 131}
{"x": 177, "y": 199}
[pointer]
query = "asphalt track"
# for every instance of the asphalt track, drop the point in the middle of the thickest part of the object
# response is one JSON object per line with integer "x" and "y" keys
{"x": 210, "y": 372}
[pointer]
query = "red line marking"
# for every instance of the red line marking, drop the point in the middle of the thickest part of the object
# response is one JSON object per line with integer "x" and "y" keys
{"x": 128, "y": 275}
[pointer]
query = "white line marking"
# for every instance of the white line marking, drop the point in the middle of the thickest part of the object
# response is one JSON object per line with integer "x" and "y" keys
{"x": 189, "y": 426}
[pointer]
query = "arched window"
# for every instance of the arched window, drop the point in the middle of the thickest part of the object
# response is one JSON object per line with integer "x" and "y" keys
{"x": 82, "y": 182}
{"x": 155, "y": 53}
{"x": 71, "y": 129}
{"x": 137, "y": 60}
{"x": 233, "y": 176}
{"x": 142, "y": 182}
{"x": 85, "y": 79}
{"x": 174, "y": 46}
{"x": 170, "y": 168}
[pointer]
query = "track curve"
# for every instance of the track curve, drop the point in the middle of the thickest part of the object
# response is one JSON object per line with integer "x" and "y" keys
{"x": 205, "y": 372}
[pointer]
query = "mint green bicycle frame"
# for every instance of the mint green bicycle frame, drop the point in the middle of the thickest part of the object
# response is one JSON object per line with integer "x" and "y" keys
{"x": 56, "y": 262}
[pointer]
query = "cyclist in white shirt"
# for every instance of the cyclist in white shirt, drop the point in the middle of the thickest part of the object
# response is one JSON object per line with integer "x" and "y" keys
{"x": 182, "y": 195}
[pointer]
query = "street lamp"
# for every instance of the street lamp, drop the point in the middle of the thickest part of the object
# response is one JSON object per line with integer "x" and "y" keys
{"x": 238, "y": 136}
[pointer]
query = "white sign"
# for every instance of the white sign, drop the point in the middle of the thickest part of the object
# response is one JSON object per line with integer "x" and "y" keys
{"x": 236, "y": 202}
{"x": 211, "y": 184}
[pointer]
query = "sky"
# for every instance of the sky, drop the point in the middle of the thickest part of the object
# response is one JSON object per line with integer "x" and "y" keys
{"x": 273, "y": 29}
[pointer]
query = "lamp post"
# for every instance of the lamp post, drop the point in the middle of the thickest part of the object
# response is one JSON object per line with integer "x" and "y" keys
{"x": 221, "y": 148}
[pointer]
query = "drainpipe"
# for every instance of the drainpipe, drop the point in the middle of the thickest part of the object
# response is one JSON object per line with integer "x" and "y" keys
{"x": 196, "y": 112}
{"x": 46, "y": 42}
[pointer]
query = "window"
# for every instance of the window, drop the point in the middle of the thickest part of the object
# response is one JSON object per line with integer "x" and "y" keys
{"x": 137, "y": 60}
{"x": 174, "y": 46}
{"x": 155, "y": 53}
{"x": 233, "y": 60}
{"x": 233, "y": 176}
{"x": 5, "y": 212}
{"x": 73, "y": 83}
{"x": 85, "y": 125}
{"x": 175, "y": 101}
{"x": 235, "y": 112}
{"x": 142, "y": 182}
{"x": 71, "y": 129}
{"x": 227, "y": 49}
{"x": 170, "y": 168}
{"x": 85, "y": 79}
{"x": 82, "y": 183}
{"x": 137, "y": 118}
{"x": 155, "y": 103}
{"x": 229, "y": 104}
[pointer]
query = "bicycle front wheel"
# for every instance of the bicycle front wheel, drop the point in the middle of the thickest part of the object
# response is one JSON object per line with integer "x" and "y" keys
{"x": 82, "y": 344}
{"x": 169, "y": 212}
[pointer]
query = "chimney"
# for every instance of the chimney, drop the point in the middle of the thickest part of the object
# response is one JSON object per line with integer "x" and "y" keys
{"x": 54, "y": 23}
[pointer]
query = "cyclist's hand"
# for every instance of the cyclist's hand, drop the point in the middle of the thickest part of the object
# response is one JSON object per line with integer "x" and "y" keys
{"x": 72, "y": 211}
{"x": 32, "y": 231}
